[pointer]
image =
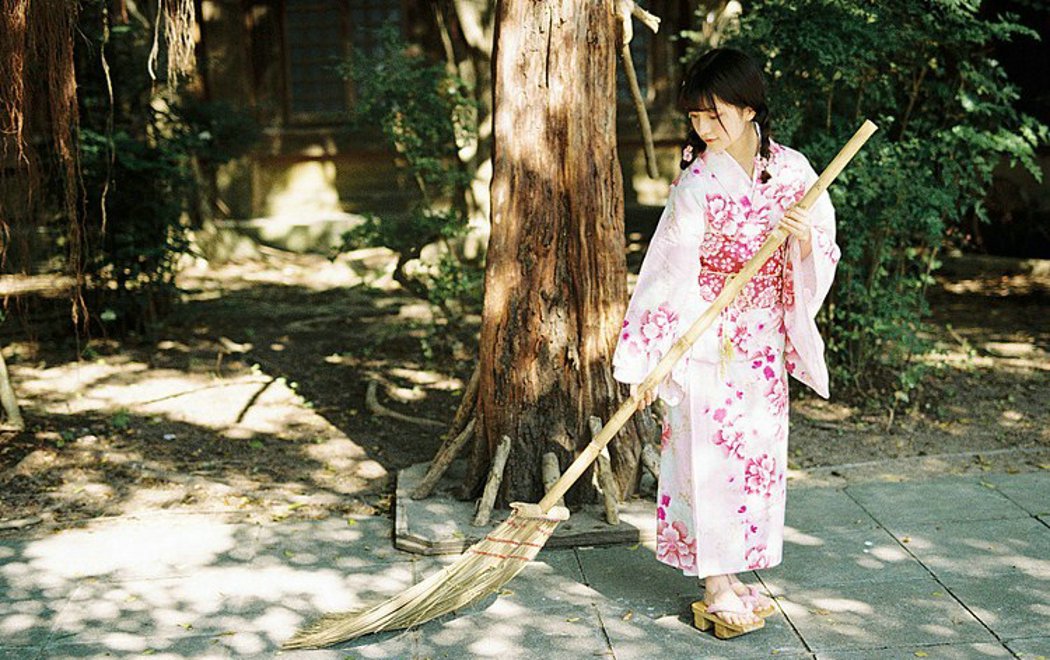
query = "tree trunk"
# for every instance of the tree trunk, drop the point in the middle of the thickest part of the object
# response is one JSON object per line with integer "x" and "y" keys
{"x": 555, "y": 279}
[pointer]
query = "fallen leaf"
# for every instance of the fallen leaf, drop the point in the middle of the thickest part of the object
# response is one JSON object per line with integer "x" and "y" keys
{"x": 821, "y": 611}
{"x": 627, "y": 615}
{"x": 573, "y": 619}
{"x": 921, "y": 654}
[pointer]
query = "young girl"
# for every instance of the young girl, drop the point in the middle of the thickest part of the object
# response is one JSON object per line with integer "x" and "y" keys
{"x": 722, "y": 489}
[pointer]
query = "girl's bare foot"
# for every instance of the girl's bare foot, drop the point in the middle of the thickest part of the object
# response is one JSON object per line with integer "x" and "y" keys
{"x": 741, "y": 589}
{"x": 718, "y": 591}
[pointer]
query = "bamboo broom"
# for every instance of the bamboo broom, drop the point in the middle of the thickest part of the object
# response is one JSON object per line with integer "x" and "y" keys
{"x": 492, "y": 562}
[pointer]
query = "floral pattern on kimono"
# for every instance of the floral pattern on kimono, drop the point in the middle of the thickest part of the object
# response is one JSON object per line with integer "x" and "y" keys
{"x": 722, "y": 488}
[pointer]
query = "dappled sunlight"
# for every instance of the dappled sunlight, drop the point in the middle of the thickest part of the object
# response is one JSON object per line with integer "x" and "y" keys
{"x": 1014, "y": 550}
{"x": 150, "y": 547}
{"x": 154, "y": 584}
{"x": 372, "y": 267}
{"x": 792, "y": 535}
{"x": 136, "y": 398}
{"x": 649, "y": 192}
{"x": 868, "y": 615}
{"x": 304, "y": 189}
{"x": 433, "y": 379}
{"x": 838, "y": 554}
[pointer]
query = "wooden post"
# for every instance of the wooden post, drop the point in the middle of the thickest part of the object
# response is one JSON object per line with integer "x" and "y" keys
{"x": 651, "y": 460}
{"x": 488, "y": 498}
{"x": 442, "y": 460}
{"x": 551, "y": 473}
{"x": 9, "y": 400}
{"x": 606, "y": 480}
{"x": 466, "y": 405}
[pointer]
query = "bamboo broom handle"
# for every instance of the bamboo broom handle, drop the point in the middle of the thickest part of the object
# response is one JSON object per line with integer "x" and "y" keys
{"x": 729, "y": 291}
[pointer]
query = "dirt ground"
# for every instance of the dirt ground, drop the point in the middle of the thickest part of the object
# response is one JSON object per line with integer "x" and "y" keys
{"x": 252, "y": 397}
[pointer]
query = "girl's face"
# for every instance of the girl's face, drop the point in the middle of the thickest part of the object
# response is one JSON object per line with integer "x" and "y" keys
{"x": 719, "y": 135}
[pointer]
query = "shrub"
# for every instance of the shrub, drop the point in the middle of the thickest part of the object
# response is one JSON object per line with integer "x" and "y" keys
{"x": 426, "y": 115}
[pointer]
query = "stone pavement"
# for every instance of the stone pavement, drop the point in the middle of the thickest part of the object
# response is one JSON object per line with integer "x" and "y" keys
{"x": 946, "y": 567}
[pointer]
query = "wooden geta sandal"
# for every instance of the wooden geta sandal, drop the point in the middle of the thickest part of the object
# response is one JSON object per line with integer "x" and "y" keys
{"x": 705, "y": 615}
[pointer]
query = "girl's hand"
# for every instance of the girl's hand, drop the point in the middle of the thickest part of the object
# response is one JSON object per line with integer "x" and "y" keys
{"x": 796, "y": 221}
{"x": 646, "y": 400}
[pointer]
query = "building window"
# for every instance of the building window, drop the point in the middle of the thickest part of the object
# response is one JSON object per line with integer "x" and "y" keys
{"x": 318, "y": 36}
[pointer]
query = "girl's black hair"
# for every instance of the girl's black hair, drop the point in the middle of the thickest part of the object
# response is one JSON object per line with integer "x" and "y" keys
{"x": 733, "y": 77}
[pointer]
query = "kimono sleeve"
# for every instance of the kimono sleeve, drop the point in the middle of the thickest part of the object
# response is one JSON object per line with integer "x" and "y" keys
{"x": 814, "y": 274}
{"x": 666, "y": 298}
{"x": 810, "y": 280}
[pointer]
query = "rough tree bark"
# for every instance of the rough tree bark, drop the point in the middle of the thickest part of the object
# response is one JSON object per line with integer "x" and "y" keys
{"x": 555, "y": 279}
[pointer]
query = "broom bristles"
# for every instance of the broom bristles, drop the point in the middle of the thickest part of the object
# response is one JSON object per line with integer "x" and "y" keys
{"x": 483, "y": 569}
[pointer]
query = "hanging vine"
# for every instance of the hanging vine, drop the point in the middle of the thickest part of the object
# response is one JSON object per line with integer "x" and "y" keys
{"x": 39, "y": 97}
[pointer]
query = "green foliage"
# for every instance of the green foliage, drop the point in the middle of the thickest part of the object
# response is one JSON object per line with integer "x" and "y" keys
{"x": 426, "y": 115}
{"x": 922, "y": 72}
{"x": 142, "y": 154}
{"x": 120, "y": 419}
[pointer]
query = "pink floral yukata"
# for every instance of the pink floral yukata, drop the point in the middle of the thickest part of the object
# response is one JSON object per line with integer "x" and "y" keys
{"x": 722, "y": 488}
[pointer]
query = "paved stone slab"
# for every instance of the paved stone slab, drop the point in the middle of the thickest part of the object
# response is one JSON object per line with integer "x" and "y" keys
{"x": 836, "y": 556}
{"x": 1030, "y": 490}
{"x": 147, "y": 547}
{"x": 866, "y": 615}
{"x": 188, "y": 585}
{"x": 28, "y": 623}
{"x": 1034, "y": 648}
{"x": 817, "y": 509}
{"x": 960, "y": 651}
{"x": 633, "y": 584}
{"x": 1013, "y": 604}
{"x": 381, "y": 646}
{"x": 637, "y": 636}
{"x": 30, "y": 598}
{"x": 345, "y": 544}
{"x": 117, "y": 645}
{"x": 23, "y": 575}
{"x": 250, "y": 610}
{"x": 508, "y": 629}
{"x": 956, "y": 498}
{"x": 980, "y": 549}
{"x": 632, "y": 577}
{"x": 552, "y": 582}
